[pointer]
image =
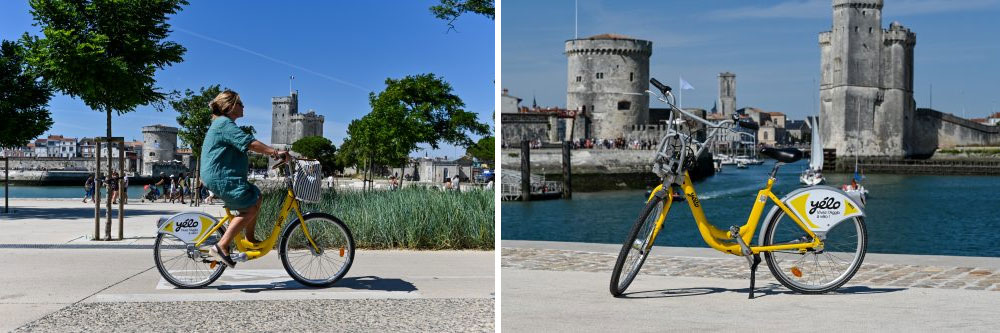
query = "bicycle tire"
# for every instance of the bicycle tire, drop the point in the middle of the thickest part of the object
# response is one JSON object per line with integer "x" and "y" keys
{"x": 175, "y": 280}
{"x": 644, "y": 224}
{"x": 842, "y": 272}
{"x": 326, "y": 231}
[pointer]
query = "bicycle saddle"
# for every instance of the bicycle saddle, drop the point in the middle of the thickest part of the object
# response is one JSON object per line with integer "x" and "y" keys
{"x": 784, "y": 155}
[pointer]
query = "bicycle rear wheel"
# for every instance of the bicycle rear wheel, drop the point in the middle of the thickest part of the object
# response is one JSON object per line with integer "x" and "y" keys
{"x": 636, "y": 248}
{"x": 816, "y": 271}
{"x": 320, "y": 268}
{"x": 182, "y": 264}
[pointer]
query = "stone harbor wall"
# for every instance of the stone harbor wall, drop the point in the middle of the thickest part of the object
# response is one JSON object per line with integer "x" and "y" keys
{"x": 941, "y": 130}
{"x": 599, "y": 169}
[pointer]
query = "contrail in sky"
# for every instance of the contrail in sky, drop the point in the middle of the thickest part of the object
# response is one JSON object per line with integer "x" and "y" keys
{"x": 272, "y": 59}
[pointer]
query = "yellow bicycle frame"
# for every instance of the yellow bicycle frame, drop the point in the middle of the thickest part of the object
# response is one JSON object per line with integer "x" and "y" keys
{"x": 254, "y": 251}
{"x": 722, "y": 240}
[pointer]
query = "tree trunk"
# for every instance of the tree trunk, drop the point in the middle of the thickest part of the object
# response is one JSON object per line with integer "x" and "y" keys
{"x": 197, "y": 182}
{"x": 107, "y": 224}
{"x": 6, "y": 182}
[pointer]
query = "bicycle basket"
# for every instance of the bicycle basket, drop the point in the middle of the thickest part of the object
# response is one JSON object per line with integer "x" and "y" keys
{"x": 308, "y": 180}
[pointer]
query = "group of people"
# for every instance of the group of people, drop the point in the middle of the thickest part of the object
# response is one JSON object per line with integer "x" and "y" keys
{"x": 178, "y": 188}
{"x": 112, "y": 183}
{"x": 619, "y": 143}
{"x": 452, "y": 184}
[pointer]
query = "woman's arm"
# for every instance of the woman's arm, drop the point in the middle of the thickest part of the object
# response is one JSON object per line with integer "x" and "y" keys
{"x": 261, "y": 148}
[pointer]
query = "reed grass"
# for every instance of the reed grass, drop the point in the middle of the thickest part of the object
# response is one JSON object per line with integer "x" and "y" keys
{"x": 409, "y": 218}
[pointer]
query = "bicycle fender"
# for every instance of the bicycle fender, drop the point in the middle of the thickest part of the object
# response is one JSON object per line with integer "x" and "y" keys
{"x": 820, "y": 207}
{"x": 187, "y": 226}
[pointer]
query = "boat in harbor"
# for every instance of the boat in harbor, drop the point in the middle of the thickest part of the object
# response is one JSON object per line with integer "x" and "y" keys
{"x": 813, "y": 175}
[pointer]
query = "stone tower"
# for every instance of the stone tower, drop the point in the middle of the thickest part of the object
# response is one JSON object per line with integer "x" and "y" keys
{"x": 866, "y": 86}
{"x": 288, "y": 125}
{"x": 282, "y": 109}
{"x": 159, "y": 144}
{"x": 727, "y": 93}
{"x": 608, "y": 76}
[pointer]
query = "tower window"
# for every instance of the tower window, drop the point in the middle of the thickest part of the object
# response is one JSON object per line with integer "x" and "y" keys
{"x": 579, "y": 78}
{"x": 869, "y": 30}
{"x": 624, "y": 105}
{"x": 631, "y": 76}
{"x": 600, "y": 75}
{"x": 855, "y": 28}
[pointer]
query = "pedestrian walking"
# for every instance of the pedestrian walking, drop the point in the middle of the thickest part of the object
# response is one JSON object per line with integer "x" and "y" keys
{"x": 88, "y": 189}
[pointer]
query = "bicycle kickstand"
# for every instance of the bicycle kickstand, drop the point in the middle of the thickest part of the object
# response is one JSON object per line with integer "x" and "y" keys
{"x": 753, "y": 272}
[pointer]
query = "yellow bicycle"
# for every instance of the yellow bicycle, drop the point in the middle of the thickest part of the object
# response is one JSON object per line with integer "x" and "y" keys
{"x": 814, "y": 239}
{"x": 316, "y": 249}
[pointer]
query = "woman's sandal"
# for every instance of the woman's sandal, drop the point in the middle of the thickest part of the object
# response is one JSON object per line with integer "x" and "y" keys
{"x": 216, "y": 252}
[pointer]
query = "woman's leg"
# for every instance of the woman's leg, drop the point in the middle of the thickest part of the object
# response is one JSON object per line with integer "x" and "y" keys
{"x": 245, "y": 222}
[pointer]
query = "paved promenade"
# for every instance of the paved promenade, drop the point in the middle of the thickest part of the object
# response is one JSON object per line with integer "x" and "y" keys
{"x": 564, "y": 287}
{"x": 56, "y": 279}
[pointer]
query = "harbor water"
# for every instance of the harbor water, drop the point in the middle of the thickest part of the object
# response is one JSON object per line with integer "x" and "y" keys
{"x": 937, "y": 215}
{"x": 62, "y": 192}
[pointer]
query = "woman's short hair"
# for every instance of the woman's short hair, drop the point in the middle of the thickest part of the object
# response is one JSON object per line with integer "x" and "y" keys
{"x": 224, "y": 102}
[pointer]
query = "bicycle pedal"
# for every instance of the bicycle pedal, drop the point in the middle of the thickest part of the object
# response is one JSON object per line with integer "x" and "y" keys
{"x": 238, "y": 257}
{"x": 744, "y": 248}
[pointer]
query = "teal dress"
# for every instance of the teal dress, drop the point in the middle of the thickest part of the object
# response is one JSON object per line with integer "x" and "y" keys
{"x": 225, "y": 164}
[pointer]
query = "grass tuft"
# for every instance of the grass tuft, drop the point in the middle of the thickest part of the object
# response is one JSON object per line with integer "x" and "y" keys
{"x": 410, "y": 218}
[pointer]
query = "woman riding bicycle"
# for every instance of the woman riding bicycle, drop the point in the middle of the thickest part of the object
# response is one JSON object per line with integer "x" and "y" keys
{"x": 224, "y": 168}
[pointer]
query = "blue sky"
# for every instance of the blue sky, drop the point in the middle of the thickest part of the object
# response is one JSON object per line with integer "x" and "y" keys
{"x": 338, "y": 51}
{"x": 771, "y": 46}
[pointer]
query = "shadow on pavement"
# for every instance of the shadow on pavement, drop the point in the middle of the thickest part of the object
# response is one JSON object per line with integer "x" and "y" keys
{"x": 760, "y": 291}
{"x": 370, "y": 283}
{"x": 24, "y": 213}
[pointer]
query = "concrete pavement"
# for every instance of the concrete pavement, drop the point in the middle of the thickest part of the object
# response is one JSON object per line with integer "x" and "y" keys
{"x": 551, "y": 286}
{"x": 55, "y": 278}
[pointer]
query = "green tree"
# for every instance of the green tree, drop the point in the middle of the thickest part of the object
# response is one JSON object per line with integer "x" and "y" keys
{"x": 422, "y": 109}
{"x": 319, "y": 148}
{"x": 450, "y": 10}
{"x": 418, "y": 109}
{"x": 482, "y": 150}
{"x": 23, "y": 100}
{"x": 195, "y": 117}
{"x": 105, "y": 52}
{"x": 258, "y": 161}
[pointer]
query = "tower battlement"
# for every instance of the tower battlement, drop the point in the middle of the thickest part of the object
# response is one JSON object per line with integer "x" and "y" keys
{"x": 867, "y": 4}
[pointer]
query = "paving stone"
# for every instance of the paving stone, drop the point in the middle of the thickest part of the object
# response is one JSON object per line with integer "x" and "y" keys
{"x": 915, "y": 276}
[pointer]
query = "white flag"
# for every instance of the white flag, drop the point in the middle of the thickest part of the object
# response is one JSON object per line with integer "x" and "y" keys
{"x": 685, "y": 85}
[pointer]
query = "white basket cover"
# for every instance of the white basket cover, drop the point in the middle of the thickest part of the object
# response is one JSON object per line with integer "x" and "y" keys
{"x": 308, "y": 180}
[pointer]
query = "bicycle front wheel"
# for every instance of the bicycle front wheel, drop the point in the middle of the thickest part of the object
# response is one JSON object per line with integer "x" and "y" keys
{"x": 314, "y": 267}
{"x": 814, "y": 271}
{"x": 184, "y": 265}
{"x": 636, "y": 247}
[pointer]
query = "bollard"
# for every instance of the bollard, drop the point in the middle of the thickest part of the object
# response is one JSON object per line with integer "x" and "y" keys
{"x": 525, "y": 171}
{"x": 567, "y": 172}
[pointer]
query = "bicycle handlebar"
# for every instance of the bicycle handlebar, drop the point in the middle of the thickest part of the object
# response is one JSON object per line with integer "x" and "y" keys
{"x": 664, "y": 89}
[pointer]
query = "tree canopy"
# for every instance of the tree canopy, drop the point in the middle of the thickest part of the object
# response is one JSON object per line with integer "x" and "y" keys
{"x": 195, "y": 116}
{"x": 105, "y": 52}
{"x": 23, "y": 99}
{"x": 482, "y": 150}
{"x": 319, "y": 148}
{"x": 422, "y": 109}
{"x": 450, "y": 10}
